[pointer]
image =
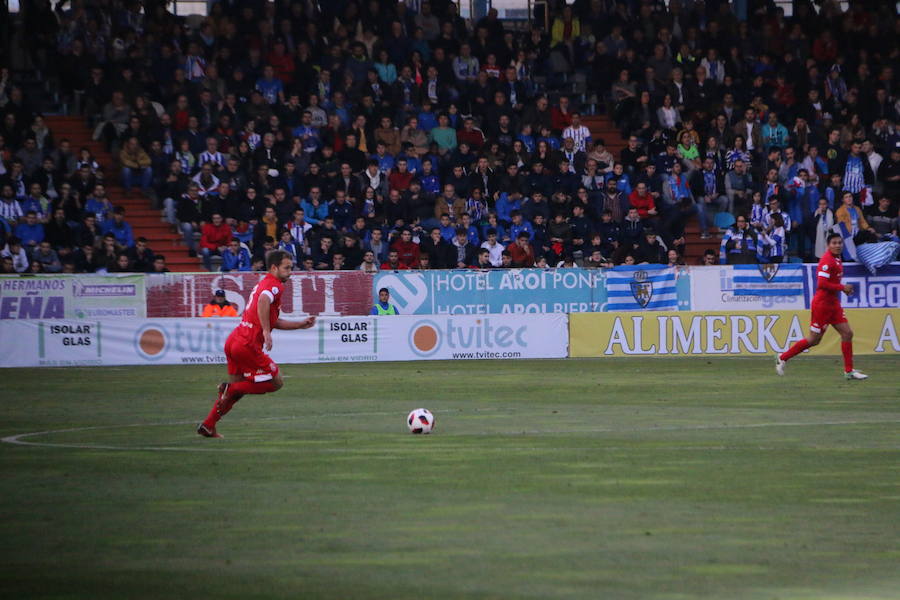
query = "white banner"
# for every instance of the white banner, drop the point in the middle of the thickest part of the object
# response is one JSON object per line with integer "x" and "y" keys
{"x": 713, "y": 288}
{"x": 59, "y": 343}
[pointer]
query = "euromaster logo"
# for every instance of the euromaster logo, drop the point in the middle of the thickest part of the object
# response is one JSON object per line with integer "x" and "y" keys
{"x": 151, "y": 341}
{"x": 426, "y": 337}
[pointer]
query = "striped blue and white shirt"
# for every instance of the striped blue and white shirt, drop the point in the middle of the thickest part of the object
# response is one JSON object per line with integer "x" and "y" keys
{"x": 757, "y": 213}
{"x": 774, "y": 244}
{"x": 581, "y": 135}
{"x": 11, "y": 211}
{"x": 212, "y": 157}
{"x": 767, "y": 219}
{"x": 854, "y": 181}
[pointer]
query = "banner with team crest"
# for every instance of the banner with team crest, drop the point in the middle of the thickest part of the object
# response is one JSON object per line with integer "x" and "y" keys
{"x": 641, "y": 287}
{"x": 768, "y": 279}
{"x": 787, "y": 287}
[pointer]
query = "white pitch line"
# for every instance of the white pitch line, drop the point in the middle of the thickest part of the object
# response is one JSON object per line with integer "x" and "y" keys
{"x": 684, "y": 427}
{"x": 19, "y": 439}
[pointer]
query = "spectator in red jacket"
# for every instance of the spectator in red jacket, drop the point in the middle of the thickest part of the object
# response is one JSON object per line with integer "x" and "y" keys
{"x": 641, "y": 199}
{"x": 407, "y": 250}
{"x": 214, "y": 239}
{"x": 400, "y": 177}
{"x": 561, "y": 115}
{"x": 393, "y": 263}
{"x": 470, "y": 134}
{"x": 521, "y": 252}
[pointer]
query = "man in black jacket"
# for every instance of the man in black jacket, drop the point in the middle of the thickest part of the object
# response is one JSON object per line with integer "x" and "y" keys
{"x": 171, "y": 188}
{"x": 441, "y": 253}
{"x": 189, "y": 214}
{"x": 465, "y": 253}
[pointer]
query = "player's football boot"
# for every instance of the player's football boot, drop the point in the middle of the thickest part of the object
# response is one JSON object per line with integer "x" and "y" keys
{"x": 779, "y": 365}
{"x": 854, "y": 374}
{"x": 207, "y": 432}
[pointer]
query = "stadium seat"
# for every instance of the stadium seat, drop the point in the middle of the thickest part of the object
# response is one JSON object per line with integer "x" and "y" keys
{"x": 724, "y": 220}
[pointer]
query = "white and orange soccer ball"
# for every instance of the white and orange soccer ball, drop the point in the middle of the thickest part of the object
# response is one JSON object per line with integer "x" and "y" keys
{"x": 420, "y": 421}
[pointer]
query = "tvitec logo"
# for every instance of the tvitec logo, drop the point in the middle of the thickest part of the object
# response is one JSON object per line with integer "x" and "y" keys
{"x": 153, "y": 341}
{"x": 426, "y": 337}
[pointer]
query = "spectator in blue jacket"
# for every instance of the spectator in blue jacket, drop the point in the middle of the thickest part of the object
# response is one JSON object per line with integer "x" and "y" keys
{"x": 119, "y": 228}
{"x": 774, "y": 134}
{"x": 236, "y": 258}
{"x": 315, "y": 208}
{"x": 519, "y": 225}
{"x": 341, "y": 211}
{"x": 30, "y": 231}
{"x": 431, "y": 183}
{"x": 98, "y": 203}
{"x": 448, "y": 229}
{"x": 505, "y": 207}
{"x": 471, "y": 231}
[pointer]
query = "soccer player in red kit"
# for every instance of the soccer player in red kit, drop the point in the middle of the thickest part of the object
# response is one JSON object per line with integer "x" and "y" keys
{"x": 826, "y": 310}
{"x": 250, "y": 370}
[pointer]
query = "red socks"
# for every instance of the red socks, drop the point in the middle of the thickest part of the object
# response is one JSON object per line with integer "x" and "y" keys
{"x": 847, "y": 351}
{"x": 218, "y": 411}
{"x": 236, "y": 391}
{"x": 801, "y": 345}
{"x": 798, "y": 347}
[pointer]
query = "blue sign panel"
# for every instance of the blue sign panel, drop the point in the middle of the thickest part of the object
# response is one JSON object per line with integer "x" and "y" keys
{"x": 503, "y": 291}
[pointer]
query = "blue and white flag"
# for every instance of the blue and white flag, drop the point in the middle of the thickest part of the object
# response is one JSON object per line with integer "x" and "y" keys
{"x": 770, "y": 279}
{"x": 849, "y": 246}
{"x": 641, "y": 287}
{"x": 878, "y": 254}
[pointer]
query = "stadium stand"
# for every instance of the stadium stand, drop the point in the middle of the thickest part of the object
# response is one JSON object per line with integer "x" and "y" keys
{"x": 295, "y": 122}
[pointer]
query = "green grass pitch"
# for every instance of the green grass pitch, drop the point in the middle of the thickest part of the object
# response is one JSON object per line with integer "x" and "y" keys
{"x": 570, "y": 479}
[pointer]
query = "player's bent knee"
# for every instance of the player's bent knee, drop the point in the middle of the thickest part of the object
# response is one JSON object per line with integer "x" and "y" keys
{"x": 277, "y": 383}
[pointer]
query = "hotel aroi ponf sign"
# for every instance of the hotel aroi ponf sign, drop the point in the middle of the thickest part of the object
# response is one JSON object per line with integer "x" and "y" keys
{"x": 752, "y": 333}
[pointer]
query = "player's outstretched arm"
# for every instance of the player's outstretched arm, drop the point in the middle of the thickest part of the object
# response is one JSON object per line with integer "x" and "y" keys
{"x": 304, "y": 324}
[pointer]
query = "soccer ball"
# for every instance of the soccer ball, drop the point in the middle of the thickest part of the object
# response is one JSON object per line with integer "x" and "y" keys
{"x": 420, "y": 421}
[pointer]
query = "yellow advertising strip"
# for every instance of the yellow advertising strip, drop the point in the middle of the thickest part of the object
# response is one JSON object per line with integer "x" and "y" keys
{"x": 750, "y": 333}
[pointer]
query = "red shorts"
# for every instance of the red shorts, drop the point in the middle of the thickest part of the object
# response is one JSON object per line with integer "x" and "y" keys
{"x": 247, "y": 359}
{"x": 825, "y": 314}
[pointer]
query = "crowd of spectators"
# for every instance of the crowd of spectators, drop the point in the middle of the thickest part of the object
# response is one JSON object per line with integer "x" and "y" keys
{"x": 367, "y": 135}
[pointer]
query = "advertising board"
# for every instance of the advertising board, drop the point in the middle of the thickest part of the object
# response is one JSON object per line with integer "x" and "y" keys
{"x": 750, "y": 333}
{"x": 326, "y": 293}
{"x": 72, "y": 297}
{"x": 333, "y": 339}
{"x": 524, "y": 291}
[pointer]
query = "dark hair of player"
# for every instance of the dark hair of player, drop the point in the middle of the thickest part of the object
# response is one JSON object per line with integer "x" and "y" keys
{"x": 274, "y": 258}
{"x": 831, "y": 236}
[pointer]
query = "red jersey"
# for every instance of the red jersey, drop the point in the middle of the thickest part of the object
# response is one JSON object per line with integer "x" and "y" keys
{"x": 250, "y": 328}
{"x": 828, "y": 279}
